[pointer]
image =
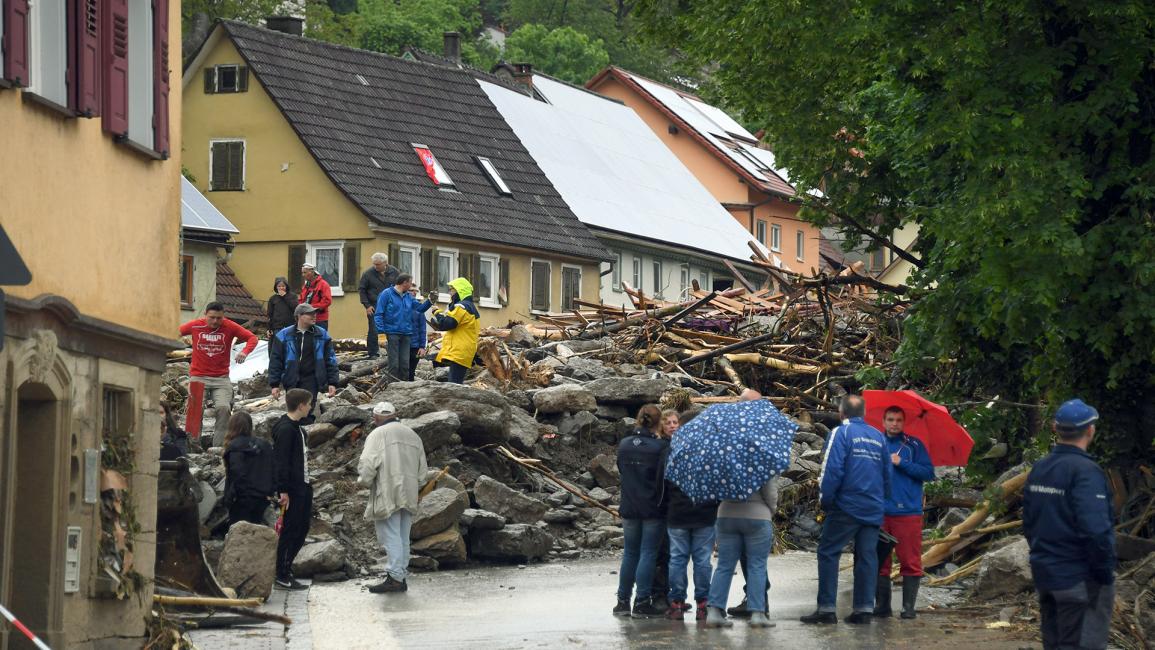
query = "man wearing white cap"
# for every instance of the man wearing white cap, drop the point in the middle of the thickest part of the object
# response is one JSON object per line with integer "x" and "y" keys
{"x": 392, "y": 465}
{"x": 316, "y": 292}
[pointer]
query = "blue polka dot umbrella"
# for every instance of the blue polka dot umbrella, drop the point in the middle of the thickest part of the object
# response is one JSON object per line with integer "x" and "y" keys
{"x": 730, "y": 450}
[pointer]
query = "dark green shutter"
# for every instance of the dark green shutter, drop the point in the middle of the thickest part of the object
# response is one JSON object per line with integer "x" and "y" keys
{"x": 394, "y": 253}
{"x": 296, "y": 259}
{"x": 539, "y": 273}
{"x": 503, "y": 283}
{"x": 236, "y": 166}
{"x": 210, "y": 80}
{"x": 242, "y": 79}
{"x": 428, "y": 269}
{"x": 352, "y": 268}
{"x": 465, "y": 268}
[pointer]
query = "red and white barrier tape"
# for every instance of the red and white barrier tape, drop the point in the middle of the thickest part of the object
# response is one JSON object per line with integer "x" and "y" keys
{"x": 20, "y": 626}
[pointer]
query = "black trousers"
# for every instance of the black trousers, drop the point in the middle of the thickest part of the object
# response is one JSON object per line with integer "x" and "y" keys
{"x": 412, "y": 363}
{"x": 661, "y": 588}
{"x": 248, "y": 509}
{"x": 1078, "y": 618}
{"x": 372, "y": 343}
{"x": 294, "y": 529}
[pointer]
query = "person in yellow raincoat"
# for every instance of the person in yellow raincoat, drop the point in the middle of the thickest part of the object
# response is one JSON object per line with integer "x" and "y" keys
{"x": 461, "y": 324}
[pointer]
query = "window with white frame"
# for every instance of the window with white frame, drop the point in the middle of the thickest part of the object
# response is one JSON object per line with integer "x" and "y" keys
{"x": 227, "y": 165}
{"x": 409, "y": 259}
{"x": 446, "y": 271}
{"x": 775, "y": 237}
{"x": 684, "y": 281}
{"x": 704, "y": 279}
{"x": 48, "y": 51}
{"x": 637, "y": 274}
{"x": 329, "y": 259}
{"x": 760, "y": 232}
{"x": 657, "y": 278}
{"x": 616, "y": 275}
{"x": 495, "y": 178}
{"x": 488, "y": 280}
{"x": 571, "y": 286}
{"x": 800, "y": 243}
{"x": 140, "y": 65}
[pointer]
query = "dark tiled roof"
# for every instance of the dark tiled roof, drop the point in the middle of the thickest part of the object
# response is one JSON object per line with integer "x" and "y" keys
{"x": 348, "y": 125}
{"x": 239, "y": 303}
{"x": 425, "y": 56}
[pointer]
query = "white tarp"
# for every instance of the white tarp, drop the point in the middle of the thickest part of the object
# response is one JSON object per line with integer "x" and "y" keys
{"x": 256, "y": 362}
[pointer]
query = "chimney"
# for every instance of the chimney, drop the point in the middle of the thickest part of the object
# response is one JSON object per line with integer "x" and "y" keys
{"x": 523, "y": 74}
{"x": 453, "y": 47}
{"x": 286, "y": 24}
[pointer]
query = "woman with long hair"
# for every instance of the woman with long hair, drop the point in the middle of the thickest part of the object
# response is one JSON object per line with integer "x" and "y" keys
{"x": 642, "y": 464}
{"x": 248, "y": 471}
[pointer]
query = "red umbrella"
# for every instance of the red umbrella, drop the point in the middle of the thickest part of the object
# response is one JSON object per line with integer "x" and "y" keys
{"x": 948, "y": 443}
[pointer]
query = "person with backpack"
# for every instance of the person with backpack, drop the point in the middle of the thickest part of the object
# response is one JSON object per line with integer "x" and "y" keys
{"x": 248, "y": 471}
{"x": 642, "y": 465}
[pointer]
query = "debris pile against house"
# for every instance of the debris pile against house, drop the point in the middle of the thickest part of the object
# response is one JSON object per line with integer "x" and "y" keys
{"x": 524, "y": 455}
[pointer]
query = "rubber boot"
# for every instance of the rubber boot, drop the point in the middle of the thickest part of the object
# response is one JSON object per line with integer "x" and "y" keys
{"x": 759, "y": 619}
{"x": 910, "y": 586}
{"x": 882, "y": 598}
{"x": 715, "y": 617}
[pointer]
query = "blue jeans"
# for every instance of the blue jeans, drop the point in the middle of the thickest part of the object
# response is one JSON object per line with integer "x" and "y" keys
{"x": 684, "y": 544}
{"x": 397, "y": 347}
{"x": 456, "y": 372}
{"x": 643, "y": 537}
{"x": 752, "y": 537}
{"x": 837, "y": 530}
{"x": 393, "y": 535}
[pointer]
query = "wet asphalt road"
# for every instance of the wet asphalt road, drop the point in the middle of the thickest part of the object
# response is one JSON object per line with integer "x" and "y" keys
{"x": 567, "y": 605}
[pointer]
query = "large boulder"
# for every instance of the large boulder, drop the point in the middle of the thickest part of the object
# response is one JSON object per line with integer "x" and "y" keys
{"x": 496, "y": 497}
{"x": 1005, "y": 571}
{"x": 483, "y": 414}
{"x": 582, "y": 423}
{"x": 604, "y": 467}
{"x": 322, "y": 557}
{"x": 514, "y": 543}
{"x": 263, "y": 422}
{"x": 447, "y": 480}
{"x": 345, "y": 414}
{"x": 320, "y": 433}
{"x": 524, "y": 431}
{"x": 584, "y": 369}
{"x": 627, "y": 392}
{"x": 566, "y": 398}
{"x": 475, "y": 519}
{"x": 520, "y": 336}
{"x": 248, "y": 562}
{"x": 447, "y": 547}
{"x": 435, "y": 428}
{"x": 439, "y": 510}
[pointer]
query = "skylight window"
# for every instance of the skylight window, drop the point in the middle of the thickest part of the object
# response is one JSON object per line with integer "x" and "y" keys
{"x": 494, "y": 177}
{"x": 436, "y": 172}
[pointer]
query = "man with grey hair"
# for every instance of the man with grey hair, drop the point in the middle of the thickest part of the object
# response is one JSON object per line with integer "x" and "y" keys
{"x": 373, "y": 281}
{"x": 392, "y": 466}
{"x": 852, "y": 490}
{"x": 1070, "y": 527}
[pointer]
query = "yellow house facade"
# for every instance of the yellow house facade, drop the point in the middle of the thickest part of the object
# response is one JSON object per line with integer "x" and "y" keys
{"x": 324, "y": 166}
{"x": 89, "y": 177}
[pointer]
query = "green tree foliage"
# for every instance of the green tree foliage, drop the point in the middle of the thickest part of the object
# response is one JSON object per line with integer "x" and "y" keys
{"x": 562, "y": 52}
{"x": 1017, "y": 134}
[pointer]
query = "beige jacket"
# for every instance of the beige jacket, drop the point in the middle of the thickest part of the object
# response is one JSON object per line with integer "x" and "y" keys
{"x": 392, "y": 465}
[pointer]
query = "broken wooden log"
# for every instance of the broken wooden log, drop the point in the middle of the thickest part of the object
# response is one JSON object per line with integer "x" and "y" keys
{"x": 938, "y": 554}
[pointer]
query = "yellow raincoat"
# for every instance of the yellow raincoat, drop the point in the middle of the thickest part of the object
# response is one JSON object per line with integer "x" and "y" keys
{"x": 462, "y": 326}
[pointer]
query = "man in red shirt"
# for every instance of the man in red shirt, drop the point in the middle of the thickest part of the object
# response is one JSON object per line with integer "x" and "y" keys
{"x": 316, "y": 292}
{"x": 212, "y": 343}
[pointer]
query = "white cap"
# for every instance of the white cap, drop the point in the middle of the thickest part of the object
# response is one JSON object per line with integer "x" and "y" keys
{"x": 383, "y": 408}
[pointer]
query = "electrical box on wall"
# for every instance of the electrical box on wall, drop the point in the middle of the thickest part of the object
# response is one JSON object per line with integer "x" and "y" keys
{"x": 91, "y": 475}
{"x": 72, "y": 560}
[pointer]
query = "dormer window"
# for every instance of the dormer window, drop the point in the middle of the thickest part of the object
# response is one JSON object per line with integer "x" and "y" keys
{"x": 495, "y": 178}
{"x": 436, "y": 172}
{"x": 227, "y": 78}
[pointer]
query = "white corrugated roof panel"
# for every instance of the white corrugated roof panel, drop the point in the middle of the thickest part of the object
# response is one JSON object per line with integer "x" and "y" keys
{"x": 614, "y": 172}
{"x": 197, "y": 213}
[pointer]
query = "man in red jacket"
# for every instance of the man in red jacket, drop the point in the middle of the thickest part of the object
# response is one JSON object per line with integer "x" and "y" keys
{"x": 212, "y": 343}
{"x": 316, "y": 292}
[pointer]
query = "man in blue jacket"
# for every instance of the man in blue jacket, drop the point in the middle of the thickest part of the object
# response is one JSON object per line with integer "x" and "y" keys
{"x": 394, "y": 317}
{"x": 911, "y": 467}
{"x": 302, "y": 356}
{"x": 1070, "y": 526}
{"x": 852, "y": 489}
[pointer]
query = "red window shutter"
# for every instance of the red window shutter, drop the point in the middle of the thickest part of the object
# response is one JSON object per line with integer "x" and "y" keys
{"x": 161, "y": 74}
{"x": 114, "y": 50}
{"x": 84, "y": 70}
{"x": 15, "y": 41}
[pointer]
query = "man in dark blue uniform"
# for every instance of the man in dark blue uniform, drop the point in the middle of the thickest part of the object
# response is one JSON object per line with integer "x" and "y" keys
{"x": 1070, "y": 527}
